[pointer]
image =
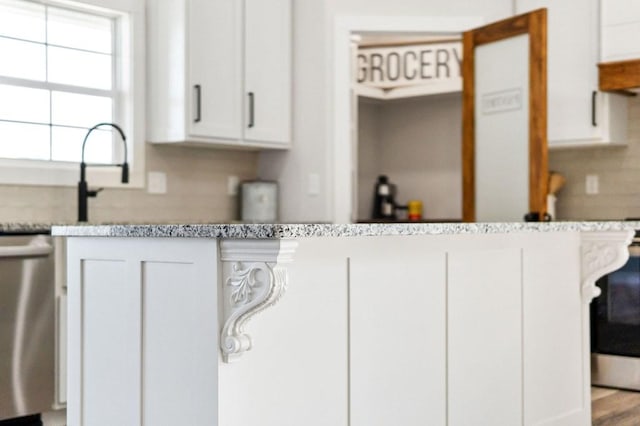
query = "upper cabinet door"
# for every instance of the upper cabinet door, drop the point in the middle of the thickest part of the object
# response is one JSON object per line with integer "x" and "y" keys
{"x": 620, "y": 22}
{"x": 215, "y": 68}
{"x": 268, "y": 71}
{"x": 219, "y": 72}
{"x": 505, "y": 119}
{"x": 578, "y": 114}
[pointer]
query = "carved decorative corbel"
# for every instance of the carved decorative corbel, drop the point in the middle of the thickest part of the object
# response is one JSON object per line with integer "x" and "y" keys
{"x": 602, "y": 252}
{"x": 253, "y": 278}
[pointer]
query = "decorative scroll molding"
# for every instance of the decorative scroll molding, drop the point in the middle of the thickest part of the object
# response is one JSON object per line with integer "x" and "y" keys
{"x": 253, "y": 279}
{"x": 602, "y": 252}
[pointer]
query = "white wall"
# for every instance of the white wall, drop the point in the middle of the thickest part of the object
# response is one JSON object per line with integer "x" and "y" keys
{"x": 416, "y": 143}
{"x": 309, "y": 153}
{"x": 313, "y": 82}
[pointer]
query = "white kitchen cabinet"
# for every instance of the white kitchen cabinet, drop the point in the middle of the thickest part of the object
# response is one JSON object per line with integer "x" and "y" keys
{"x": 397, "y": 316}
{"x": 453, "y": 330}
{"x": 215, "y": 69}
{"x": 268, "y": 70}
{"x": 219, "y": 72}
{"x": 620, "y": 30}
{"x": 578, "y": 115}
{"x": 468, "y": 328}
{"x": 494, "y": 325}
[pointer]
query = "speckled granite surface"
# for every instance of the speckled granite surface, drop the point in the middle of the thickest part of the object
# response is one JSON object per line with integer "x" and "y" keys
{"x": 27, "y": 228}
{"x": 281, "y": 231}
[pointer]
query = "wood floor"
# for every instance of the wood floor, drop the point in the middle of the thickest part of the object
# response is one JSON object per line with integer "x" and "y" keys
{"x": 611, "y": 407}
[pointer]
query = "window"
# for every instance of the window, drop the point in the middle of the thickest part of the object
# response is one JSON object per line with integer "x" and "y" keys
{"x": 66, "y": 67}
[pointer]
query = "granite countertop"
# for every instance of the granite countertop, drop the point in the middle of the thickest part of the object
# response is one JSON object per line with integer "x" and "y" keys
{"x": 25, "y": 228}
{"x": 282, "y": 231}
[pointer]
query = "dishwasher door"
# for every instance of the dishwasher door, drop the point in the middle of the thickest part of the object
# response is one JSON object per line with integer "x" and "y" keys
{"x": 27, "y": 312}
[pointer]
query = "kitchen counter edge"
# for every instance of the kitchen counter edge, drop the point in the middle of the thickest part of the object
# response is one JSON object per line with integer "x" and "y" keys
{"x": 24, "y": 228}
{"x": 287, "y": 231}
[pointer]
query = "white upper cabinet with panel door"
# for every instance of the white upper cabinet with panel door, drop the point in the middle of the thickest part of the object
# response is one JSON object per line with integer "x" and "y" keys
{"x": 214, "y": 69}
{"x": 620, "y": 30}
{"x": 267, "y": 58}
{"x": 578, "y": 115}
{"x": 219, "y": 72}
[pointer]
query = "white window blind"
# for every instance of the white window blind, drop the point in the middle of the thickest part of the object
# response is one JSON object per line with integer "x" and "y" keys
{"x": 57, "y": 79}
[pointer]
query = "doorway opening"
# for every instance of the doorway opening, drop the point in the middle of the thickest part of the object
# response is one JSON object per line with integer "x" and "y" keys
{"x": 363, "y": 124}
{"x": 407, "y": 110}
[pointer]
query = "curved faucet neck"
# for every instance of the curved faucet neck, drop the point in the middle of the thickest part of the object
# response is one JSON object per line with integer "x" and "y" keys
{"x": 113, "y": 125}
{"x": 83, "y": 192}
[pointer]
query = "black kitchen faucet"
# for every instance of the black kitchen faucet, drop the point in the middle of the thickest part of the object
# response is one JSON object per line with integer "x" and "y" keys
{"x": 83, "y": 191}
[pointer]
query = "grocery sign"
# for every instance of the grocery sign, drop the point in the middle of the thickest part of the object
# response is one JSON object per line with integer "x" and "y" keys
{"x": 410, "y": 65}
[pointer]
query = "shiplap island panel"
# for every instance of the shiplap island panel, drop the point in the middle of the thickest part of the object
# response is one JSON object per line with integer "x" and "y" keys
{"x": 341, "y": 325}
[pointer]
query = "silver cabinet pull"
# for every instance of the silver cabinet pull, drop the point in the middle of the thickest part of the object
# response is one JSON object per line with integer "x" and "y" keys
{"x": 251, "y": 109}
{"x": 198, "y": 90}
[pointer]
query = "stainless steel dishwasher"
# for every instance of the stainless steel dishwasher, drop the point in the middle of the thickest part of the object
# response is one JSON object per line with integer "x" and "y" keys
{"x": 27, "y": 321}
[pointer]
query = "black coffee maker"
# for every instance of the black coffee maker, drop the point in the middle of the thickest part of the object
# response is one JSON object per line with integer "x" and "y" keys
{"x": 383, "y": 199}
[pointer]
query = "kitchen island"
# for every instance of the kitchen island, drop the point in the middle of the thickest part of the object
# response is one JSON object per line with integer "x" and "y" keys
{"x": 363, "y": 325}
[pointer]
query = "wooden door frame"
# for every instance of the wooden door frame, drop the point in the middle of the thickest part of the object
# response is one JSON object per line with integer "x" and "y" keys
{"x": 535, "y": 24}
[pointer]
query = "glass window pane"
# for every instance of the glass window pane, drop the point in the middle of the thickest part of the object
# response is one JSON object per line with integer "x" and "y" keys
{"x": 24, "y": 104}
{"x": 22, "y": 59}
{"x": 21, "y": 19}
{"x": 79, "y": 30}
{"x": 66, "y": 145}
{"x": 28, "y": 141}
{"x": 79, "y": 68}
{"x": 71, "y": 109}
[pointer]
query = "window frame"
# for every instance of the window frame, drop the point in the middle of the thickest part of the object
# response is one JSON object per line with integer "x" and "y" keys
{"x": 128, "y": 107}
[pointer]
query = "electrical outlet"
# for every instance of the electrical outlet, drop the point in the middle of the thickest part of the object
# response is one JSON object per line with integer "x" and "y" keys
{"x": 232, "y": 185}
{"x": 592, "y": 184}
{"x": 313, "y": 184}
{"x": 157, "y": 183}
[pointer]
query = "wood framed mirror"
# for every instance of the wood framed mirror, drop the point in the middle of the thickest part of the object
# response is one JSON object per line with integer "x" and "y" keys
{"x": 504, "y": 147}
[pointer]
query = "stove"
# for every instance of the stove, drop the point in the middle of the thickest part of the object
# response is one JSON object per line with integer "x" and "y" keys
{"x": 615, "y": 326}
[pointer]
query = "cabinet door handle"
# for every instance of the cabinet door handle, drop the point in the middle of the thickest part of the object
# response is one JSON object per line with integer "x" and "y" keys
{"x": 251, "y": 110}
{"x": 198, "y": 91}
{"x": 594, "y": 122}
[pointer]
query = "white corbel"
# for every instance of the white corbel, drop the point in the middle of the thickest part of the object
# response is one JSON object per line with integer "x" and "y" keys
{"x": 253, "y": 278}
{"x": 602, "y": 252}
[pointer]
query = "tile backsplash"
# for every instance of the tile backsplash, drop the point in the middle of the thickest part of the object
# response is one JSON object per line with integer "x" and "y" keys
{"x": 197, "y": 186}
{"x": 196, "y": 191}
{"x": 618, "y": 171}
